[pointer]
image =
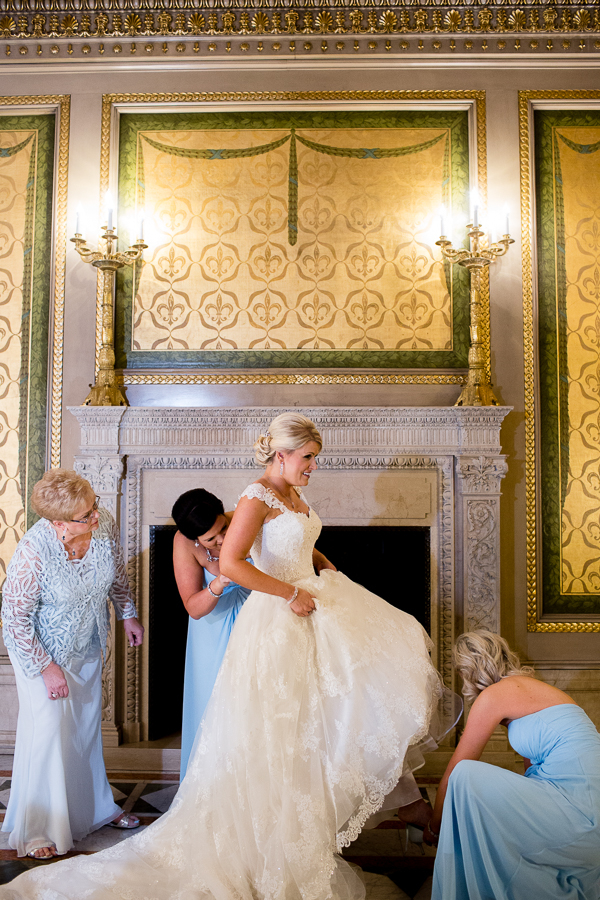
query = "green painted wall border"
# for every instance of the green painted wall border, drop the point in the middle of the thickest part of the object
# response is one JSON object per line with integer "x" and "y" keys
{"x": 553, "y": 398}
{"x": 131, "y": 124}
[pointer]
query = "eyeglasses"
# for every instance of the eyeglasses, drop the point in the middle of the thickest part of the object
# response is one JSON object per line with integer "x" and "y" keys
{"x": 89, "y": 515}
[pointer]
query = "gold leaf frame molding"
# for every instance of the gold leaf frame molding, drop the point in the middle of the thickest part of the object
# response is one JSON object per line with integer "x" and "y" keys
{"x": 538, "y": 620}
{"x": 59, "y": 106}
{"x": 115, "y": 104}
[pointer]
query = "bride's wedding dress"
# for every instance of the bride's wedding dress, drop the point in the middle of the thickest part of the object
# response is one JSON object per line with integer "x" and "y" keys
{"x": 311, "y": 723}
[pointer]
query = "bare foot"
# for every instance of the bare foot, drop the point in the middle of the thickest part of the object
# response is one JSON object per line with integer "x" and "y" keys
{"x": 43, "y": 853}
{"x": 417, "y": 813}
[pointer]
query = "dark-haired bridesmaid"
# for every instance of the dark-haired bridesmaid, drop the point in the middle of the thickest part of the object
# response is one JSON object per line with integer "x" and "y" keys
{"x": 212, "y": 601}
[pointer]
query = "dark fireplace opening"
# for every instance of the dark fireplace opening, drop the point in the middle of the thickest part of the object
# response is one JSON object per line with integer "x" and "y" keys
{"x": 391, "y": 561}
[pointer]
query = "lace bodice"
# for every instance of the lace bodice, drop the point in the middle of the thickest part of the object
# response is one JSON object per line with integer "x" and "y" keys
{"x": 283, "y": 547}
{"x": 54, "y": 610}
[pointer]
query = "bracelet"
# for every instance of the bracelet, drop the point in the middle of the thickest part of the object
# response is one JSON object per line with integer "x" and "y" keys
{"x": 293, "y": 597}
{"x": 212, "y": 593}
{"x": 431, "y": 831}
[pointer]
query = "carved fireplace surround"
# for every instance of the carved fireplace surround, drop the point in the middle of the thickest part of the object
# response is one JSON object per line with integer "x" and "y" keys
{"x": 437, "y": 466}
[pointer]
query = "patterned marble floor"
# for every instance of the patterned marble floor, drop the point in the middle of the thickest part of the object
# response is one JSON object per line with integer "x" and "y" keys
{"x": 393, "y": 869}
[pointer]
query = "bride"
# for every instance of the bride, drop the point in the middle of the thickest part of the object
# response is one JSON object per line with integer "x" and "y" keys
{"x": 324, "y": 699}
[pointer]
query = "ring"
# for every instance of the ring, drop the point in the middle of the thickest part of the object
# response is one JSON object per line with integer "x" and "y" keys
{"x": 55, "y": 695}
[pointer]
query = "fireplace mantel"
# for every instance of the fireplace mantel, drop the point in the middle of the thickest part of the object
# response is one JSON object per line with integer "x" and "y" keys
{"x": 437, "y": 466}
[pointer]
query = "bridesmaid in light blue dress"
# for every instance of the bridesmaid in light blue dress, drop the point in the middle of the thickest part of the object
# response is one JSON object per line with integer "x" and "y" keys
{"x": 207, "y": 640}
{"x": 212, "y": 601}
{"x": 505, "y": 837}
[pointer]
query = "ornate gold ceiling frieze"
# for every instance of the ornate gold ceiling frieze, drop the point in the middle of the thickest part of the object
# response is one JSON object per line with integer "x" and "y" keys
{"x": 70, "y": 20}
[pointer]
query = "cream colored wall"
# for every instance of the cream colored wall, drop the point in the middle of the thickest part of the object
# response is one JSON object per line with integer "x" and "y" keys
{"x": 571, "y": 659}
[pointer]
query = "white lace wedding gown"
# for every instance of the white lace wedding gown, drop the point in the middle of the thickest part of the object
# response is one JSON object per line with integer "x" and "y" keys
{"x": 310, "y": 725}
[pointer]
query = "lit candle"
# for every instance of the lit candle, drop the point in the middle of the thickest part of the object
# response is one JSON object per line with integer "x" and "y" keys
{"x": 141, "y": 229}
{"x": 109, "y": 205}
{"x": 475, "y": 205}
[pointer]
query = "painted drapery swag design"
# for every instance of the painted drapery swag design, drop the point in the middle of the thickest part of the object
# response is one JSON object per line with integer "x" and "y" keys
{"x": 26, "y": 165}
{"x": 568, "y": 162}
{"x": 293, "y": 242}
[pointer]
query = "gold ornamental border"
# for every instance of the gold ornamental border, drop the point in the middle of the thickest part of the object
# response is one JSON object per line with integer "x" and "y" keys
{"x": 198, "y": 21}
{"x": 135, "y": 376}
{"x": 535, "y": 619}
{"x": 62, "y": 105}
{"x": 109, "y": 101}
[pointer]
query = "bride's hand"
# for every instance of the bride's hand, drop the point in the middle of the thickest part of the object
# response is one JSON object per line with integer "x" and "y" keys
{"x": 304, "y": 604}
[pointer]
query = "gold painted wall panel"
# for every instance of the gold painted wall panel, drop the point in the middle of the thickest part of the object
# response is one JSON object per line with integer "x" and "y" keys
{"x": 15, "y": 273}
{"x": 580, "y": 542}
{"x": 362, "y": 274}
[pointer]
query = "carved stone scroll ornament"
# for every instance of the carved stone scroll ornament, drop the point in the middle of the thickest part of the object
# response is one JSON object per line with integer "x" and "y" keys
{"x": 482, "y": 474}
{"x": 483, "y": 568}
{"x": 479, "y": 480}
{"x": 104, "y": 473}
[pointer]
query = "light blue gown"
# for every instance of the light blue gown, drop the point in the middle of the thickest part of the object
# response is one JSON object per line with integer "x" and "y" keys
{"x": 54, "y": 610}
{"x": 505, "y": 837}
{"x": 207, "y": 640}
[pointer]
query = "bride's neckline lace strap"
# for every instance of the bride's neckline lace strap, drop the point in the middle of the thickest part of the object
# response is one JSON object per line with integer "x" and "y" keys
{"x": 257, "y": 491}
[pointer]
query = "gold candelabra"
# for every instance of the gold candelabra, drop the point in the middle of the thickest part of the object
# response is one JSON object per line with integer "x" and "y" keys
{"x": 106, "y": 391}
{"x": 478, "y": 389}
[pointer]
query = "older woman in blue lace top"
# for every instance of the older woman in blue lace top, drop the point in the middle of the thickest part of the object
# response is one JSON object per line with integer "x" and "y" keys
{"x": 56, "y": 621}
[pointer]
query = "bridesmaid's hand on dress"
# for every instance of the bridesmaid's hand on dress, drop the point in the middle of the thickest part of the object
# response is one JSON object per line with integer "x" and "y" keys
{"x": 55, "y": 681}
{"x": 304, "y": 604}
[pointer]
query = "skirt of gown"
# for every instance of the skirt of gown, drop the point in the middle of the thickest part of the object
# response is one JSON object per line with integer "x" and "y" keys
{"x": 59, "y": 790}
{"x": 311, "y": 723}
{"x": 506, "y": 837}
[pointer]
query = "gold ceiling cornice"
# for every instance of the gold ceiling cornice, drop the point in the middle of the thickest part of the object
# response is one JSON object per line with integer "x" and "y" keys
{"x": 554, "y": 24}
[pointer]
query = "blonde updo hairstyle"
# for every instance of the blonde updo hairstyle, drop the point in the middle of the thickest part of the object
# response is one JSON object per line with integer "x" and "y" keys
{"x": 60, "y": 493}
{"x": 287, "y": 432}
{"x": 483, "y": 658}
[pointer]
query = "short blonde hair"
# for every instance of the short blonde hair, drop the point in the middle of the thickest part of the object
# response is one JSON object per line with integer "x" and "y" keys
{"x": 59, "y": 493}
{"x": 483, "y": 658}
{"x": 287, "y": 432}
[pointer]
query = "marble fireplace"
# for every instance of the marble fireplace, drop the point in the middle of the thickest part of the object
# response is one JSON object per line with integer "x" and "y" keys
{"x": 439, "y": 467}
